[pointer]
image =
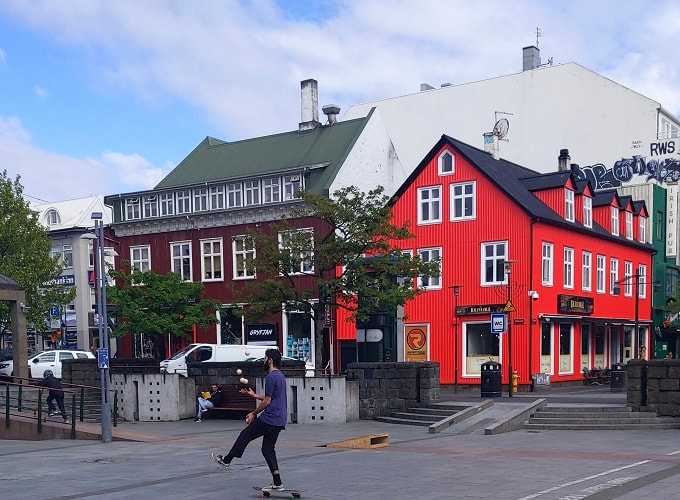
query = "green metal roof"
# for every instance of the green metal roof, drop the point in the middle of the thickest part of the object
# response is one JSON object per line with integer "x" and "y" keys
{"x": 215, "y": 160}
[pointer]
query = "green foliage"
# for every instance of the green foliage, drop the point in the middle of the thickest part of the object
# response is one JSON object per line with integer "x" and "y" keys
{"x": 158, "y": 304}
{"x": 25, "y": 257}
{"x": 354, "y": 255}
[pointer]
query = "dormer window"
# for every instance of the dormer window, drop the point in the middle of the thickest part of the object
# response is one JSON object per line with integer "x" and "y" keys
{"x": 132, "y": 209}
{"x": 52, "y": 217}
{"x": 587, "y": 211}
{"x": 615, "y": 220}
{"x": 629, "y": 225}
{"x": 569, "y": 205}
{"x": 447, "y": 164}
{"x": 642, "y": 233}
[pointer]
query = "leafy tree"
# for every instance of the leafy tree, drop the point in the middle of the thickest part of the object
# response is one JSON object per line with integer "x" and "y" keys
{"x": 158, "y": 304}
{"x": 354, "y": 256}
{"x": 25, "y": 257}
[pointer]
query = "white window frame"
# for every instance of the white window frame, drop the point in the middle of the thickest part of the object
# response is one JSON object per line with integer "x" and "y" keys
{"x": 251, "y": 193}
{"x": 200, "y": 199}
{"x": 217, "y": 197}
{"x": 629, "y": 225}
{"x": 52, "y": 217}
{"x": 588, "y": 211}
{"x": 150, "y": 206}
{"x": 467, "y": 193}
{"x": 133, "y": 209}
{"x": 140, "y": 258}
{"x": 547, "y": 264}
{"x": 212, "y": 263}
{"x": 568, "y": 278}
{"x": 242, "y": 258}
{"x": 183, "y": 200}
{"x": 497, "y": 257}
{"x": 569, "y": 205}
{"x": 628, "y": 278}
{"x": 292, "y": 185}
{"x": 613, "y": 274}
{"x": 234, "y": 195}
{"x": 305, "y": 260}
{"x": 586, "y": 271}
{"x": 167, "y": 201}
{"x": 430, "y": 201}
{"x": 642, "y": 281}
{"x": 444, "y": 168}
{"x": 615, "y": 220}
{"x": 179, "y": 260}
{"x": 642, "y": 237}
{"x": 271, "y": 190}
{"x": 430, "y": 255}
{"x": 600, "y": 274}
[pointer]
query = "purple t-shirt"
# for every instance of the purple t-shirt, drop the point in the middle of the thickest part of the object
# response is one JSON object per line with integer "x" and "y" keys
{"x": 277, "y": 411}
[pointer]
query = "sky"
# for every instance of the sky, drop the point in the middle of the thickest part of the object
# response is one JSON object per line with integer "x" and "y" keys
{"x": 107, "y": 97}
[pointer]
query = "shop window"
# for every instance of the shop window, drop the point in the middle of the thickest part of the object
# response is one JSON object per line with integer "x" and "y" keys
{"x": 546, "y": 348}
{"x": 566, "y": 341}
{"x": 480, "y": 346}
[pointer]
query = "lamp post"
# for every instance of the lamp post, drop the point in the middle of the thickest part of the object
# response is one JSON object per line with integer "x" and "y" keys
{"x": 508, "y": 269}
{"x": 456, "y": 292}
{"x": 637, "y": 333}
{"x": 103, "y": 349}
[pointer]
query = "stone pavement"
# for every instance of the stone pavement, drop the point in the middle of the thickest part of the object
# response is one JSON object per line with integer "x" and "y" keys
{"x": 174, "y": 461}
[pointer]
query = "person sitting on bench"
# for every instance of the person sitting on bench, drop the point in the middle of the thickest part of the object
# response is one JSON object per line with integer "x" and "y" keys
{"x": 209, "y": 400}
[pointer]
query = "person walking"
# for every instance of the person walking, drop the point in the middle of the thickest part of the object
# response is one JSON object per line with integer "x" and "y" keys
{"x": 273, "y": 411}
{"x": 56, "y": 393}
{"x": 212, "y": 399}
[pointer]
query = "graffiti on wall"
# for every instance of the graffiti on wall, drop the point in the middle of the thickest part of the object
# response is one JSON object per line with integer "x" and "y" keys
{"x": 662, "y": 165}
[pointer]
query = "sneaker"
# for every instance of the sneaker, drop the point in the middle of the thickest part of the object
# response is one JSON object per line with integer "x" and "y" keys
{"x": 198, "y": 420}
{"x": 52, "y": 414}
{"x": 273, "y": 487}
{"x": 67, "y": 421}
{"x": 220, "y": 460}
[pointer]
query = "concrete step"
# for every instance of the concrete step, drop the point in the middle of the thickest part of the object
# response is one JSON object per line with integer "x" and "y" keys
{"x": 410, "y": 415}
{"x": 594, "y": 420}
{"x": 597, "y": 418}
{"x": 601, "y": 427}
{"x": 403, "y": 421}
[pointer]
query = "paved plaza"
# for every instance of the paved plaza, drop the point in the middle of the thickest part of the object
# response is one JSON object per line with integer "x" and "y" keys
{"x": 174, "y": 461}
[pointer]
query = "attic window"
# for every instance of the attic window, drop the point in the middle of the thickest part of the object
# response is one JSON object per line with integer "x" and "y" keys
{"x": 52, "y": 217}
{"x": 447, "y": 163}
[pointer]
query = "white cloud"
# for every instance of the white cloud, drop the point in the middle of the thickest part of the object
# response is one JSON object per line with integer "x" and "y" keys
{"x": 41, "y": 92}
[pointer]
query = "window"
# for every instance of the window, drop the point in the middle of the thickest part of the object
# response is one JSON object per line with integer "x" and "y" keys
{"x": 494, "y": 256}
{"x": 216, "y": 197}
{"x": 167, "y": 204}
{"x": 671, "y": 281}
{"x": 642, "y": 280}
{"x": 547, "y": 264}
{"x": 659, "y": 225}
{"x": 292, "y": 185}
{"x": 568, "y": 267}
{"x": 601, "y": 260}
{"x": 447, "y": 163}
{"x": 52, "y": 217}
{"x": 463, "y": 201}
{"x": 180, "y": 255}
{"x": 211, "y": 259}
{"x": 566, "y": 347}
{"x": 234, "y": 195}
{"x": 587, "y": 211}
{"x": 642, "y": 230}
{"x": 252, "y": 192}
{"x": 429, "y": 205}
{"x": 271, "y": 190}
{"x": 184, "y": 201}
{"x": 546, "y": 348}
{"x": 629, "y": 225}
{"x": 613, "y": 274}
{"x": 615, "y": 221}
{"x": 569, "y": 205}
{"x": 586, "y": 271}
{"x": 132, "y": 209}
{"x": 140, "y": 258}
{"x": 67, "y": 256}
{"x": 244, "y": 256}
{"x": 480, "y": 346}
{"x": 298, "y": 246}
{"x": 628, "y": 279}
{"x": 430, "y": 255}
{"x": 200, "y": 199}
{"x": 150, "y": 206}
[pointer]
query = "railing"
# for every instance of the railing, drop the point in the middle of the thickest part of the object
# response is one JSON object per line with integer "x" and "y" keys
{"x": 19, "y": 397}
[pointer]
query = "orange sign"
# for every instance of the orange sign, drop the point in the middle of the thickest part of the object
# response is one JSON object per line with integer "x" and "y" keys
{"x": 415, "y": 343}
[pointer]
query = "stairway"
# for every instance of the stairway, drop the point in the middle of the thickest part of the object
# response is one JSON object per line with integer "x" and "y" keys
{"x": 422, "y": 415}
{"x": 597, "y": 418}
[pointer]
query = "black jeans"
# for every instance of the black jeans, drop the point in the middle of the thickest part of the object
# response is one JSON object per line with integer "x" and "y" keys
{"x": 60, "y": 403}
{"x": 257, "y": 428}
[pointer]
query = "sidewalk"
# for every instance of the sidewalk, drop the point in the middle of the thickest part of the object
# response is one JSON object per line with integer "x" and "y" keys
{"x": 175, "y": 462}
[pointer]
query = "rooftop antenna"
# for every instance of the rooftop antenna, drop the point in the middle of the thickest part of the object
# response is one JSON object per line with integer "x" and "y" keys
{"x": 538, "y": 34}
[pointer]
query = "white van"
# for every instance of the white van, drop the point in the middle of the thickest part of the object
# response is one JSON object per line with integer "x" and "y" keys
{"x": 213, "y": 353}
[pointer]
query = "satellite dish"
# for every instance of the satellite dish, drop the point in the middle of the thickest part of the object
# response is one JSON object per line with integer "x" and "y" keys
{"x": 501, "y": 128}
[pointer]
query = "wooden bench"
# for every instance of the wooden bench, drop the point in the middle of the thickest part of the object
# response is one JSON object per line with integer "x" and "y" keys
{"x": 233, "y": 400}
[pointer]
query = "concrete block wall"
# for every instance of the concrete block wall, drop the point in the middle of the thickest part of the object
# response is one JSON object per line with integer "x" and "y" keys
{"x": 155, "y": 397}
{"x": 385, "y": 387}
{"x": 655, "y": 382}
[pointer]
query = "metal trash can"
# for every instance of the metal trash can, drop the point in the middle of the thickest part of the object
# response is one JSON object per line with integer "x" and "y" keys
{"x": 618, "y": 377}
{"x": 540, "y": 382}
{"x": 491, "y": 380}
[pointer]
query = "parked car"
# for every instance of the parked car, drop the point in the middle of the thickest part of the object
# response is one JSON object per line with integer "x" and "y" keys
{"x": 51, "y": 360}
{"x": 6, "y": 368}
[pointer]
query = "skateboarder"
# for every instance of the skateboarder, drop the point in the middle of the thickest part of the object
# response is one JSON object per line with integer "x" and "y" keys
{"x": 273, "y": 411}
{"x": 56, "y": 393}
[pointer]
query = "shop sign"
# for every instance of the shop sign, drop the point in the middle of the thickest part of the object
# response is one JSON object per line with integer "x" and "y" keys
{"x": 480, "y": 309}
{"x": 262, "y": 334}
{"x": 415, "y": 342}
{"x": 575, "y": 304}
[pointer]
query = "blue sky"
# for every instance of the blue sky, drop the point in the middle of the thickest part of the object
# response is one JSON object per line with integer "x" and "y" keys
{"x": 106, "y": 97}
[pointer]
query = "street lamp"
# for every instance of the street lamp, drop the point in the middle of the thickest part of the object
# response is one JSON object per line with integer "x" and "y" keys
{"x": 103, "y": 349}
{"x": 507, "y": 265}
{"x": 617, "y": 290}
{"x": 456, "y": 292}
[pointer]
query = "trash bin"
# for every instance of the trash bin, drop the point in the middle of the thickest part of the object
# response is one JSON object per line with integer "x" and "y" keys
{"x": 618, "y": 377}
{"x": 540, "y": 382}
{"x": 491, "y": 380}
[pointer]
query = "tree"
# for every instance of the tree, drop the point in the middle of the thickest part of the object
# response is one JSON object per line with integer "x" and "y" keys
{"x": 158, "y": 304}
{"x": 25, "y": 257}
{"x": 354, "y": 256}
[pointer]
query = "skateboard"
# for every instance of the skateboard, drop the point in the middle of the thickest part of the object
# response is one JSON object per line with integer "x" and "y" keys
{"x": 291, "y": 494}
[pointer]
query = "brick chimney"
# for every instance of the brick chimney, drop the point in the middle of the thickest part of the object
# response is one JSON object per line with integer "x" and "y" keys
{"x": 531, "y": 58}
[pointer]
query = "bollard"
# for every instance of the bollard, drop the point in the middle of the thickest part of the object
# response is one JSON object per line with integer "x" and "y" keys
{"x": 515, "y": 381}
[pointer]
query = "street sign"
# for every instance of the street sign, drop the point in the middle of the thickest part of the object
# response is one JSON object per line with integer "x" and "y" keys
{"x": 497, "y": 323}
{"x": 103, "y": 357}
{"x": 55, "y": 311}
{"x": 509, "y": 308}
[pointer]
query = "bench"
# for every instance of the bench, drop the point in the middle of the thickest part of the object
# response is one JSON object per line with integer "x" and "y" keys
{"x": 233, "y": 400}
